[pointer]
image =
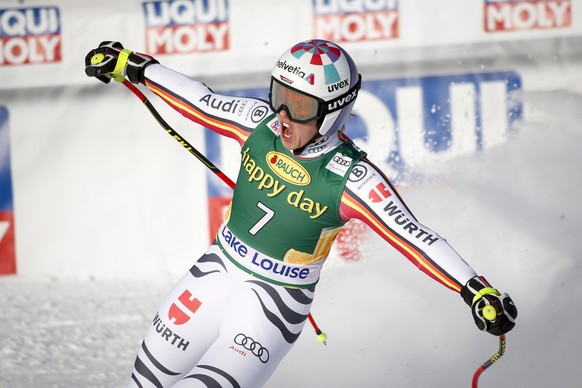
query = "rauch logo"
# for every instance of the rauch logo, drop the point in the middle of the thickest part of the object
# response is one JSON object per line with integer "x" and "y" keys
{"x": 288, "y": 169}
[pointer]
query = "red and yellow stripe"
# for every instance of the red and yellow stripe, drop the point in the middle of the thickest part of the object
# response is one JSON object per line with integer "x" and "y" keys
{"x": 412, "y": 253}
{"x": 218, "y": 125}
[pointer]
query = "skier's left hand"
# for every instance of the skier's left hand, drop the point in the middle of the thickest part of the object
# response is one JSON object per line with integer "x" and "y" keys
{"x": 493, "y": 312}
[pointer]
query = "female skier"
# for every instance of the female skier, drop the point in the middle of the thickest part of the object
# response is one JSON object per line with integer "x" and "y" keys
{"x": 238, "y": 311}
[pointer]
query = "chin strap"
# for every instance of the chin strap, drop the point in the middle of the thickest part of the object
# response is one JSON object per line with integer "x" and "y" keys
{"x": 300, "y": 150}
{"x": 322, "y": 143}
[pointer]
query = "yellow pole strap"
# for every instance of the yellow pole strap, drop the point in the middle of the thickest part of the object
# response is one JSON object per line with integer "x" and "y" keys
{"x": 484, "y": 291}
{"x": 120, "y": 65}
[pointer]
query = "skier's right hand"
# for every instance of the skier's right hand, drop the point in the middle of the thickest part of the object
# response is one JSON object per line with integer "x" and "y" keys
{"x": 111, "y": 61}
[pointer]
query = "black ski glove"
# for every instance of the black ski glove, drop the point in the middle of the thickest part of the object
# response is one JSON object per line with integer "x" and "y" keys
{"x": 493, "y": 312}
{"x": 111, "y": 61}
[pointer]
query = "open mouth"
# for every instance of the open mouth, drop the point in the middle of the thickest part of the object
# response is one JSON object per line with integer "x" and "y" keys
{"x": 285, "y": 130}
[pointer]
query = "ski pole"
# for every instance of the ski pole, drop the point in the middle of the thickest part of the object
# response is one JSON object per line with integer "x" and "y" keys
{"x": 488, "y": 363}
{"x": 211, "y": 166}
{"x": 489, "y": 313}
{"x": 321, "y": 337}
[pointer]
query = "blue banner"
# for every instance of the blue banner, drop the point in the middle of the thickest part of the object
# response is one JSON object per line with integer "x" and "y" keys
{"x": 7, "y": 244}
{"x": 408, "y": 123}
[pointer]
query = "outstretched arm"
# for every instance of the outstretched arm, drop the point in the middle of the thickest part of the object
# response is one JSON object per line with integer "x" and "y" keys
{"x": 370, "y": 197}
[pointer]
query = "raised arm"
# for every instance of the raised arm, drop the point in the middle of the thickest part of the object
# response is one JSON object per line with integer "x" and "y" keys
{"x": 234, "y": 117}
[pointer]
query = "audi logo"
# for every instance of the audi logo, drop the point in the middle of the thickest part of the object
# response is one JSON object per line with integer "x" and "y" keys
{"x": 316, "y": 149}
{"x": 254, "y": 347}
{"x": 341, "y": 161}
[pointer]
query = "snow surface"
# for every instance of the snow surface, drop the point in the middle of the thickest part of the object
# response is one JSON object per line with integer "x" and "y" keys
{"x": 512, "y": 212}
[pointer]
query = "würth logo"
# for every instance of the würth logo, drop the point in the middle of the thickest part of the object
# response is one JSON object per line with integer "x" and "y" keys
{"x": 182, "y": 313}
{"x": 379, "y": 193}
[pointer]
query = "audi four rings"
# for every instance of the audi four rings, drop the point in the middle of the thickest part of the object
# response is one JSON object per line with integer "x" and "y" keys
{"x": 254, "y": 347}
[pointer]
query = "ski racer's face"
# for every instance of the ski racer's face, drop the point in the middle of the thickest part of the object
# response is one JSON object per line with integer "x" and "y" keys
{"x": 295, "y": 135}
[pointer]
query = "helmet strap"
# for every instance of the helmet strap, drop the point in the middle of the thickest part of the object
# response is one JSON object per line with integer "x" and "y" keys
{"x": 298, "y": 151}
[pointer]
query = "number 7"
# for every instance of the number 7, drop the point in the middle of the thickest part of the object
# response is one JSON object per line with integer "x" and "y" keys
{"x": 263, "y": 221}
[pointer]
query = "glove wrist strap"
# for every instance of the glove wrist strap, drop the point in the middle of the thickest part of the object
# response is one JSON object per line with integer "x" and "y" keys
{"x": 475, "y": 289}
{"x": 120, "y": 65}
{"x": 484, "y": 291}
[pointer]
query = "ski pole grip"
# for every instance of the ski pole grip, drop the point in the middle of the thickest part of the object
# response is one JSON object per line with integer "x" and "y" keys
{"x": 97, "y": 58}
{"x": 106, "y": 65}
{"x": 489, "y": 313}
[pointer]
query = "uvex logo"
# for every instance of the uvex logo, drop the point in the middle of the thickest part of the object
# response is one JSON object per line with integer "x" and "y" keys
{"x": 338, "y": 86}
{"x": 342, "y": 101}
{"x": 288, "y": 169}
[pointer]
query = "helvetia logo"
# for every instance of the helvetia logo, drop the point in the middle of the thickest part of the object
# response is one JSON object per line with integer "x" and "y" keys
{"x": 288, "y": 169}
{"x": 310, "y": 79}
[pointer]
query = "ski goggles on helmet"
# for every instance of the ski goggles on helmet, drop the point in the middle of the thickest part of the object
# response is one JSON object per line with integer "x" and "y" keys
{"x": 302, "y": 107}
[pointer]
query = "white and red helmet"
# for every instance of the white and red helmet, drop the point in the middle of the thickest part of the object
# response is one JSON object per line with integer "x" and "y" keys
{"x": 315, "y": 79}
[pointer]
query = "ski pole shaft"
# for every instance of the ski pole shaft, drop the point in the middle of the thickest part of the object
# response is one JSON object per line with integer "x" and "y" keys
{"x": 321, "y": 337}
{"x": 189, "y": 147}
{"x": 489, "y": 362}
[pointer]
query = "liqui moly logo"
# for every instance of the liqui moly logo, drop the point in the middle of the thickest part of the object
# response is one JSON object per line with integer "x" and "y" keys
{"x": 30, "y": 35}
{"x": 354, "y": 21}
{"x": 520, "y": 15}
{"x": 186, "y": 26}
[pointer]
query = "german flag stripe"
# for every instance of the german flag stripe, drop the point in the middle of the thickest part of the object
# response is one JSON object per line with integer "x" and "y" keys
{"x": 219, "y": 125}
{"x": 419, "y": 258}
